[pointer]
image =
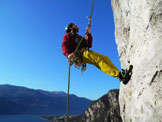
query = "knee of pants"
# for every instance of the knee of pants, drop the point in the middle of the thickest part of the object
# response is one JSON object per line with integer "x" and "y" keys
{"x": 87, "y": 57}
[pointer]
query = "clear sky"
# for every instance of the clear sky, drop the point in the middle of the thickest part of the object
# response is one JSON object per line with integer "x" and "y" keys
{"x": 31, "y": 33}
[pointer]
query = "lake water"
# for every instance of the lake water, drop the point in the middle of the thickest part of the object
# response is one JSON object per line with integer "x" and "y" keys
{"x": 21, "y": 118}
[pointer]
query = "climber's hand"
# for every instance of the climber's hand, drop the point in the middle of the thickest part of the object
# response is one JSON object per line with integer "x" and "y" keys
{"x": 88, "y": 29}
{"x": 71, "y": 56}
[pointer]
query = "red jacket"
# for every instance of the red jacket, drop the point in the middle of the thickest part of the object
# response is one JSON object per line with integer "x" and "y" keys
{"x": 69, "y": 45}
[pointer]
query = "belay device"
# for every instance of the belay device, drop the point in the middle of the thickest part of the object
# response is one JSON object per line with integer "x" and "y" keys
{"x": 89, "y": 24}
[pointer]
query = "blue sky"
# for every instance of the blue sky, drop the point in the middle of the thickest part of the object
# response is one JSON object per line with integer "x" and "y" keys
{"x": 31, "y": 33}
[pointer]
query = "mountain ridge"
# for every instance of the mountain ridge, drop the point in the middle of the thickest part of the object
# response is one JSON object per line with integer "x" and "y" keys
{"x": 30, "y": 101}
{"x": 104, "y": 109}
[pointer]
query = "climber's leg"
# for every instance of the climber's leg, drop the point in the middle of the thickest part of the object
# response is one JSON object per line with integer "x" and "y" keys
{"x": 100, "y": 61}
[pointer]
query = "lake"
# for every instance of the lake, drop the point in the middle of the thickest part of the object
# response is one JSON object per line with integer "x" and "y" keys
{"x": 21, "y": 118}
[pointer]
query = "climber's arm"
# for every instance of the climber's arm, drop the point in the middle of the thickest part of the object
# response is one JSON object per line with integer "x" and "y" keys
{"x": 88, "y": 37}
{"x": 66, "y": 45}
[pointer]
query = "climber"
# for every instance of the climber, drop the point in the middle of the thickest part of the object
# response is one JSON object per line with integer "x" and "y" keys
{"x": 83, "y": 55}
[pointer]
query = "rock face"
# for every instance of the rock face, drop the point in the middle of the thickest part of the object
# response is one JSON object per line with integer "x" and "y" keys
{"x": 105, "y": 109}
{"x": 138, "y": 31}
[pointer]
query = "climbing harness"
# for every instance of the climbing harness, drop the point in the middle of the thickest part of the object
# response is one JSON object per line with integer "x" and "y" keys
{"x": 84, "y": 66}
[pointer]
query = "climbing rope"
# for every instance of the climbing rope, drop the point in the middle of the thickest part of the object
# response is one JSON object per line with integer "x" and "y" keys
{"x": 89, "y": 24}
{"x": 68, "y": 92}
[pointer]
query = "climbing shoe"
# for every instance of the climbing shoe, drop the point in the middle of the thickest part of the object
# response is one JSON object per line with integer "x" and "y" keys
{"x": 125, "y": 75}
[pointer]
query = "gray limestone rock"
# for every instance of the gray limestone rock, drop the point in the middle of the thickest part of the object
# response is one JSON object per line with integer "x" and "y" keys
{"x": 138, "y": 32}
{"x": 105, "y": 109}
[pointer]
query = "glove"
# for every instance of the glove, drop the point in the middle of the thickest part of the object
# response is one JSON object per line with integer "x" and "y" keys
{"x": 71, "y": 56}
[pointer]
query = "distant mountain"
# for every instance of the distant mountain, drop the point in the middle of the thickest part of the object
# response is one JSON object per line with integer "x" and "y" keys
{"x": 21, "y": 100}
{"x": 105, "y": 109}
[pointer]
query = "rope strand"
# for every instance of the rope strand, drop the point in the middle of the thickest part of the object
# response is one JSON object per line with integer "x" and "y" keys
{"x": 67, "y": 113}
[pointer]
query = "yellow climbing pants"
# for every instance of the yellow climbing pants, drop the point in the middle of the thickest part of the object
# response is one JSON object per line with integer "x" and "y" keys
{"x": 100, "y": 61}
